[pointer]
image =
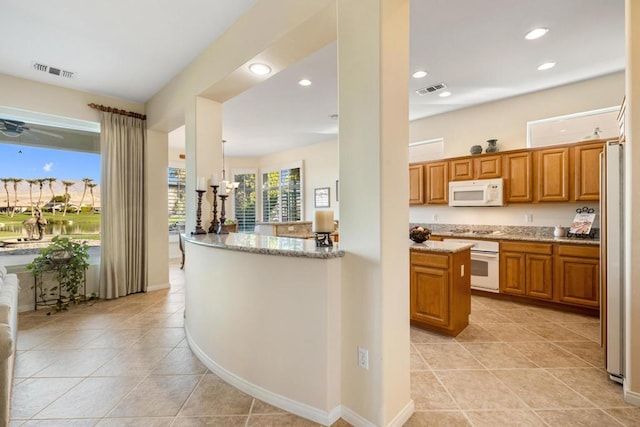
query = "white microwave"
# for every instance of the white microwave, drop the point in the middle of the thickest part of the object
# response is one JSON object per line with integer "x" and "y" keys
{"x": 481, "y": 192}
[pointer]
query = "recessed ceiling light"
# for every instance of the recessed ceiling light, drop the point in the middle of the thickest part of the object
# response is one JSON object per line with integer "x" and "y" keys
{"x": 259, "y": 69}
{"x": 444, "y": 94}
{"x": 419, "y": 74}
{"x": 304, "y": 82}
{"x": 536, "y": 33}
{"x": 546, "y": 66}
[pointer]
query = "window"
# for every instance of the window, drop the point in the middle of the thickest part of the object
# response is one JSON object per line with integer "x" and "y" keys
{"x": 177, "y": 184}
{"x": 245, "y": 201}
{"x": 282, "y": 195}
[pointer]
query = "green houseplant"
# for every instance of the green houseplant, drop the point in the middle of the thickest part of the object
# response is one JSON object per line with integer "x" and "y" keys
{"x": 67, "y": 260}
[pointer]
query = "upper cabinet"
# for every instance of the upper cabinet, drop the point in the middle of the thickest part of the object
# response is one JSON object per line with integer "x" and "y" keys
{"x": 587, "y": 171}
{"x": 518, "y": 177}
{"x": 437, "y": 183}
{"x": 488, "y": 167}
{"x": 552, "y": 175}
{"x": 416, "y": 184}
{"x": 461, "y": 169}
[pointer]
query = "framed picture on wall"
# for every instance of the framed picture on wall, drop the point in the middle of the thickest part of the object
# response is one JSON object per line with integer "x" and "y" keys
{"x": 322, "y": 197}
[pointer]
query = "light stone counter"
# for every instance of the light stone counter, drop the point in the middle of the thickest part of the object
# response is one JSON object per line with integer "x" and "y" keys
{"x": 435, "y": 246}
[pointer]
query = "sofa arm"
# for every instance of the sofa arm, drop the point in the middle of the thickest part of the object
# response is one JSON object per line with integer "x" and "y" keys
{"x": 6, "y": 341}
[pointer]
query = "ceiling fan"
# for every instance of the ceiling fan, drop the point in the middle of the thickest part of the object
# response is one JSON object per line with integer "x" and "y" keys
{"x": 15, "y": 128}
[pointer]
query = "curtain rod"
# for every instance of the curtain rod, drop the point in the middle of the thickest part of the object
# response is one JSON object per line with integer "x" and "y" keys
{"x": 116, "y": 111}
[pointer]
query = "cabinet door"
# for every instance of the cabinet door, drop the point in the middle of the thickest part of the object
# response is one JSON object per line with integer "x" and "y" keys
{"x": 430, "y": 295}
{"x": 416, "y": 187}
{"x": 518, "y": 177}
{"x": 578, "y": 281}
{"x": 553, "y": 175}
{"x": 512, "y": 273}
{"x": 437, "y": 181}
{"x": 587, "y": 171}
{"x": 488, "y": 167}
{"x": 539, "y": 281}
{"x": 461, "y": 170}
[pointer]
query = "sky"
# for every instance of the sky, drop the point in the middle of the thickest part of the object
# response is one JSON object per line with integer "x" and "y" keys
{"x": 18, "y": 161}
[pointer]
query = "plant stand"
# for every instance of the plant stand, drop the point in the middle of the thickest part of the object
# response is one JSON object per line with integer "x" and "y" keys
{"x": 56, "y": 267}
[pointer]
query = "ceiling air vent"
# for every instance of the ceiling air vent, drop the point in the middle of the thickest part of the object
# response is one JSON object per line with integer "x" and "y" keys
{"x": 52, "y": 70}
{"x": 431, "y": 89}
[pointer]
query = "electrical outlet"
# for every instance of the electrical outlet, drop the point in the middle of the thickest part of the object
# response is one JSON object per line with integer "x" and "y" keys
{"x": 528, "y": 217}
{"x": 434, "y": 218}
{"x": 290, "y": 228}
{"x": 363, "y": 358}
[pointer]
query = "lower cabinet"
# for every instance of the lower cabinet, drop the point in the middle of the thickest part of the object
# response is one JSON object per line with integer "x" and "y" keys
{"x": 562, "y": 273}
{"x": 440, "y": 291}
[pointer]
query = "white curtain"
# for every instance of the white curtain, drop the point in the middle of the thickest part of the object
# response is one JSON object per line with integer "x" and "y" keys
{"x": 123, "y": 257}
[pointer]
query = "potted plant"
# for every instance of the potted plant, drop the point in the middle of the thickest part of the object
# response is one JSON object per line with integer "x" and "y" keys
{"x": 229, "y": 226}
{"x": 68, "y": 261}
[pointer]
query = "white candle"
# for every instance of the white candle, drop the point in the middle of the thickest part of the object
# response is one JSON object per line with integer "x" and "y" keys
{"x": 323, "y": 222}
{"x": 223, "y": 188}
{"x": 214, "y": 179}
{"x": 202, "y": 183}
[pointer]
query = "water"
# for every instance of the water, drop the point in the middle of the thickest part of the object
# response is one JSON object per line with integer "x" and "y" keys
{"x": 54, "y": 229}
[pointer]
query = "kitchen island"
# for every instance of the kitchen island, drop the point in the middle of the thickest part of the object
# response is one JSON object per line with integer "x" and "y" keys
{"x": 264, "y": 314}
{"x": 440, "y": 281}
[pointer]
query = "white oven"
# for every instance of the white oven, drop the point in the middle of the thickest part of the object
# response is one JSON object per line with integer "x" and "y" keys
{"x": 485, "y": 264}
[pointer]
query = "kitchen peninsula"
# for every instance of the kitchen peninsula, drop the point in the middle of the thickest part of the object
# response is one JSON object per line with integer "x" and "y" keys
{"x": 264, "y": 314}
{"x": 440, "y": 294}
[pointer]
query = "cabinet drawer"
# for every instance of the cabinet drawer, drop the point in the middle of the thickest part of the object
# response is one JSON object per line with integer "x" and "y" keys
{"x": 533, "y": 248}
{"x": 429, "y": 260}
{"x": 579, "y": 251}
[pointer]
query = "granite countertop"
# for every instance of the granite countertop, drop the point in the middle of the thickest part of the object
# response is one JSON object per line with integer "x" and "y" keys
{"x": 266, "y": 245}
{"x": 302, "y": 235}
{"x": 518, "y": 237}
{"x": 435, "y": 246}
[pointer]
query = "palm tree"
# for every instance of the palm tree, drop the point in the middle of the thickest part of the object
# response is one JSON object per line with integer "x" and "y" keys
{"x": 53, "y": 196}
{"x": 66, "y": 184}
{"x": 41, "y": 182}
{"x": 31, "y": 182}
{"x": 91, "y": 186}
{"x": 86, "y": 181}
{"x": 6, "y": 181}
{"x": 15, "y": 181}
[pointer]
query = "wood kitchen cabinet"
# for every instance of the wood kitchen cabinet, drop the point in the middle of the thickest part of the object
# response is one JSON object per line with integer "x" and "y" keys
{"x": 578, "y": 275}
{"x": 587, "y": 171}
{"x": 461, "y": 169}
{"x": 440, "y": 291}
{"x": 437, "y": 183}
{"x": 552, "y": 175}
{"x": 526, "y": 269}
{"x": 416, "y": 184}
{"x": 487, "y": 167}
{"x": 518, "y": 177}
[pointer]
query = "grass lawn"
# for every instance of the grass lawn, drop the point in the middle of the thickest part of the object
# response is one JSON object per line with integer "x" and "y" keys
{"x": 90, "y": 221}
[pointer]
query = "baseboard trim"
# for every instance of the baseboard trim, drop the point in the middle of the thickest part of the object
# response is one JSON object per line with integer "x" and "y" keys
{"x": 631, "y": 396}
{"x": 277, "y": 400}
{"x": 358, "y": 421}
{"x": 158, "y": 287}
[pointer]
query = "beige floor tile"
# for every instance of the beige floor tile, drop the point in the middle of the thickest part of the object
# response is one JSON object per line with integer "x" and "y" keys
{"x": 77, "y": 363}
{"x": 553, "y": 332}
{"x": 487, "y": 316}
{"x": 588, "y": 330}
{"x": 135, "y": 422}
{"x": 161, "y": 337}
{"x": 341, "y": 423}
{"x": 521, "y": 315}
{"x": 594, "y": 384}
{"x": 498, "y": 356}
{"x": 511, "y": 332}
{"x": 217, "y": 421}
{"x": 71, "y": 339}
{"x": 417, "y": 362}
{"x": 32, "y": 395}
{"x": 27, "y": 363}
{"x": 549, "y": 355}
{"x": 272, "y": 420}
{"x": 582, "y": 418}
{"x": 117, "y": 338}
{"x": 447, "y": 356}
{"x": 541, "y": 390}
{"x": 478, "y": 390}
{"x": 422, "y": 336}
{"x": 428, "y": 393}
{"x": 180, "y": 361}
{"x": 627, "y": 416}
{"x": 93, "y": 397}
{"x": 133, "y": 362}
{"x": 32, "y": 338}
{"x": 260, "y": 407}
{"x": 160, "y": 396}
{"x": 516, "y": 418}
{"x": 588, "y": 351}
{"x": 475, "y": 333}
{"x": 88, "y": 422}
{"x": 215, "y": 397}
{"x": 437, "y": 419}
{"x": 559, "y": 316}
{"x": 500, "y": 304}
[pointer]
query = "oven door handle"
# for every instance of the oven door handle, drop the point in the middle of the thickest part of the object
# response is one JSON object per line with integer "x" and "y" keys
{"x": 484, "y": 255}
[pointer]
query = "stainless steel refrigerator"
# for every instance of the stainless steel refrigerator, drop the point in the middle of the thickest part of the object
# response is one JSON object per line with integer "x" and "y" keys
{"x": 612, "y": 257}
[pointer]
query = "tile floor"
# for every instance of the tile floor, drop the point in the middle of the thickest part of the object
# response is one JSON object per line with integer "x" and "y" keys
{"x": 126, "y": 363}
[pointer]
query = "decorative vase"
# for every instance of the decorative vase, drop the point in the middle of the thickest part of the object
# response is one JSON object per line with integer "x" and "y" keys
{"x": 476, "y": 149}
{"x": 492, "y": 146}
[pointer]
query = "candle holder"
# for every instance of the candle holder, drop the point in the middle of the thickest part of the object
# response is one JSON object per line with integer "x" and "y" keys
{"x": 199, "y": 229}
{"x": 221, "y": 230}
{"x": 215, "y": 224}
{"x": 323, "y": 240}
